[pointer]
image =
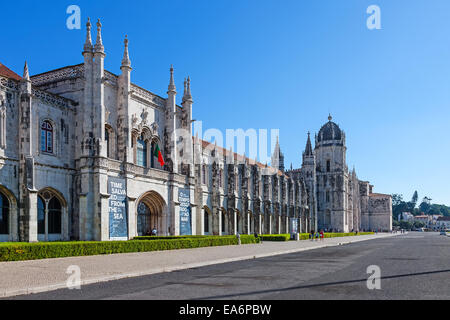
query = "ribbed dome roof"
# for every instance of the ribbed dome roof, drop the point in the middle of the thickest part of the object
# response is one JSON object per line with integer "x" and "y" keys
{"x": 329, "y": 131}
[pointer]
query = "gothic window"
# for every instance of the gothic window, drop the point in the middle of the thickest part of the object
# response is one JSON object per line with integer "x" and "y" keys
{"x": 204, "y": 174}
{"x": 223, "y": 221}
{"x": 328, "y": 165}
{"x": 41, "y": 216}
{"x": 220, "y": 178}
{"x": 47, "y": 137}
{"x": 141, "y": 151}
{"x": 152, "y": 155}
{"x": 205, "y": 221}
{"x": 4, "y": 214}
{"x": 328, "y": 196}
{"x": 108, "y": 144}
{"x": 49, "y": 214}
{"x": 2, "y": 127}
{"x": 54, "y": 216}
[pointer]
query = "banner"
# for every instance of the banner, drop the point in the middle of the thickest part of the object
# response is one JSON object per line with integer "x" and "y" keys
{"x": 118, "y": 226}
{"x": 294, "y": 226}
{"x": 185, "y": 211}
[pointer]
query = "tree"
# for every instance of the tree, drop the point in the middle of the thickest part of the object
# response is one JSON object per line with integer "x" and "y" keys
{"x": 415, "y": 197}
{"x": 425, "y": 206}
{"x": 418, "y": 224}
{"x": 396, "y": 199}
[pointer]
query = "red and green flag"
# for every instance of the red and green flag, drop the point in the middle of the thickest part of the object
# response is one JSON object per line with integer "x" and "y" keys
{"x": 159, "y": 155}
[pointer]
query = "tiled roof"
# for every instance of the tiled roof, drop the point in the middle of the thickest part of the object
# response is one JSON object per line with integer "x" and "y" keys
{"x": 379, "y": 195}
{"x": 8, "y": 73}
{"x": 240, "y": 158}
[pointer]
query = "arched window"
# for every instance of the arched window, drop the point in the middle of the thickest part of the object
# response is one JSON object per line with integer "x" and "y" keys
{"x": 204, "y": 174}
{"x": 4, "y": 214}
{"x": 41, "y": 216}
{"x": 141, "y": 152}
{"x": 328, "y": 165}
{"x": 107, "y": 142}
{"x": 223, "y": 221}
{"x": 152, "y": 155}
{"x": 54, "y": 216}
{"x": 47, "y": 137}
{"x": 206, "y": 221}
{"x": 49, "y": 216}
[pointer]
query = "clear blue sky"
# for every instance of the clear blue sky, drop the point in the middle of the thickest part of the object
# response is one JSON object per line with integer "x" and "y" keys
{"x": 279, "y": 64}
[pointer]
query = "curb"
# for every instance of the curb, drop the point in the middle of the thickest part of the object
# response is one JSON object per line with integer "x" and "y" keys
{"x": 57, "y": 286}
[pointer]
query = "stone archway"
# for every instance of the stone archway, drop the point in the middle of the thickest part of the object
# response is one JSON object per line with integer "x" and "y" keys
{"x": 151, "y": 213}
{"x": 8, "y": 207}
{"x": 52, "y": 215}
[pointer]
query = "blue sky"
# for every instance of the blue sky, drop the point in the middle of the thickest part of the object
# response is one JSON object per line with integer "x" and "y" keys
{"x": 279, "y": 64}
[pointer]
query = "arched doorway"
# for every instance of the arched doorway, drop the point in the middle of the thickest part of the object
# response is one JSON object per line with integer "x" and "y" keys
{"x": 150, "y": 211}
{"x": 51, "y": 206}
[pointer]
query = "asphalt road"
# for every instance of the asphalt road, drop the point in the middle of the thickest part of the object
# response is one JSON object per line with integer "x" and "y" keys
{"x": 413, "y": 266}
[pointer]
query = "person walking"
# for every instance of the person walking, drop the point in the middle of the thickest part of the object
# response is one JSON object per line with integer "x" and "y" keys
{"x": 321, "y": 235}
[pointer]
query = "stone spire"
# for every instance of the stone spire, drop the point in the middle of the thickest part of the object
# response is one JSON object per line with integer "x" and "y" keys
{"x": 88, "y": 43}
{"x": 26, "y": 74}
{"x": 172, "y": 87}
{"x": 99, "y": 44}
{"x": 330, "y": 117}
{"x": 126, "y": 58}
{"x": 308, "y": 149}
{"x": 189, "y": 95}
{"x": 277, "y": 157}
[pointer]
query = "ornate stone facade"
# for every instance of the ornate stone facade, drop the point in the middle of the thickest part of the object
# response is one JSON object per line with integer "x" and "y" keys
{"x": 342, "y": 202}
{"x": 73, "y": 139}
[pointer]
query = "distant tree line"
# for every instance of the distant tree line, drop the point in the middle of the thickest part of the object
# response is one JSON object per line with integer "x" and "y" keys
{"x": 415, "y": 208}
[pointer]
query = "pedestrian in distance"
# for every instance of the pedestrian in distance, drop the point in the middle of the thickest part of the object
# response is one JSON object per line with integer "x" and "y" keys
{"x": 154, "y": 231}
{"x": 321, "y": 235}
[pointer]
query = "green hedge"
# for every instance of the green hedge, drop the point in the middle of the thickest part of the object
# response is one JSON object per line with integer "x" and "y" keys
{"x": 305, "y": 236}
{"x": 275, "y": 237}
{"x": 45, "y": 250}
{"x": 169, "y": 237}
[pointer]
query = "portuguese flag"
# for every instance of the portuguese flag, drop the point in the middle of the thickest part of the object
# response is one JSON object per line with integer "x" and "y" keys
{"x": 159, "y": 155}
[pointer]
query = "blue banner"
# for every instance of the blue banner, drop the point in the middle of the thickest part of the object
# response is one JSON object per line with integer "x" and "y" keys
{"x": 185, "y": 211}
{"x": 118, "y": 226}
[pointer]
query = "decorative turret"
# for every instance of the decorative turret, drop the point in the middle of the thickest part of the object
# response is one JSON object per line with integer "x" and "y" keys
{"x": 98, "y": 43}
{"x": 308, "y": 149}
{"x": 172, "y": 88}
{"x": 277, "y": 158}
{"x": 171, "y": 118}
{"x": 126, "y": 63}
{"x": 26, "y": 82}
{"x": 88, "y": 43}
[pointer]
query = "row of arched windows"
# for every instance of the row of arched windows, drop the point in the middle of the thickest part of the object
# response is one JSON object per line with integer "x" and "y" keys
{"x": 49, "y": 214}
{"x": 145, "y": 152}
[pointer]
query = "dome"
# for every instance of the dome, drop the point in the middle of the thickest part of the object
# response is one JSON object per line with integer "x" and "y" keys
{"x": 329, "y": 131}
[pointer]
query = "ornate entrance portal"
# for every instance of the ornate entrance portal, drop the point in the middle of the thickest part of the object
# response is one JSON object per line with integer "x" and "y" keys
{"x": 150, "y": 215}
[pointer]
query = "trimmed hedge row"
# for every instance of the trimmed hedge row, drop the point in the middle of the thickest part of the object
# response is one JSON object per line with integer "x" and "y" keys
{"x": 275, "y": 237}
{"x": 46, "y": 250}
{"x": 168, "y": 237}
{"x": 306, "y": 236}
